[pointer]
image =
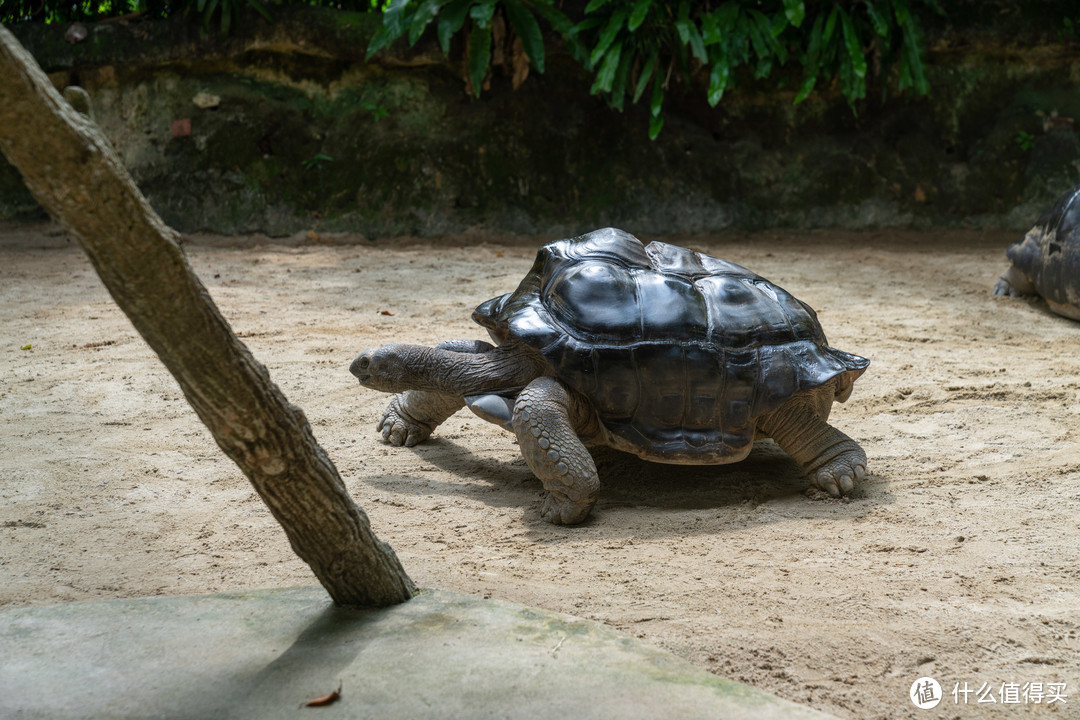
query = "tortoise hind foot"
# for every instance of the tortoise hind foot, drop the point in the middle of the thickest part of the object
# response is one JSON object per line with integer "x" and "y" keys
{"x": 831, "y": 460}
{"x": 840, "y": 474}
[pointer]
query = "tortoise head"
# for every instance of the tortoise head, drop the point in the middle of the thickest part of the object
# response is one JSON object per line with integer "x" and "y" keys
{"x": 392, "y": 368}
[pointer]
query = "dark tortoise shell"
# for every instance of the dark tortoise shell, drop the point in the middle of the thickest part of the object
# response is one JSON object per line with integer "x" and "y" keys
{"x": 679, "y": 352}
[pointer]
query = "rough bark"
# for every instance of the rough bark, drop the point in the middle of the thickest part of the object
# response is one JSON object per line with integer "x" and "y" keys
{"x": 74, "y": 173}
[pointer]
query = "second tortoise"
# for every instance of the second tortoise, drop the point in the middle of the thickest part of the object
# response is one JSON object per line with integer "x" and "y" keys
{"x": 1046, "y": 261}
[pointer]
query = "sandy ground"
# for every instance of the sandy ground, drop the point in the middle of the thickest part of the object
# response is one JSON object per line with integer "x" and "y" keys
{"x": 956, "y": 559}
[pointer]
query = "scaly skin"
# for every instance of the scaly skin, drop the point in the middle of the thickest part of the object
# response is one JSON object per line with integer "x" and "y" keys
{"x": 413, "y": 415}
{"x": 831, "y": 460}
{"x": 547, "y": 419}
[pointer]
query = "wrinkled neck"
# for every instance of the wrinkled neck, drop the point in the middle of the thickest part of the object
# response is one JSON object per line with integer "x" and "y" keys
{"x": 503, "y": 370}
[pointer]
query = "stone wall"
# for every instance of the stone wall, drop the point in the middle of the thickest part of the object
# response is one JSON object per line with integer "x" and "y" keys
{"x": 283, "y": 128}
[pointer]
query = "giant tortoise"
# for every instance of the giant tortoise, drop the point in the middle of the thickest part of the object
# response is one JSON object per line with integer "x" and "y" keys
{"x": 1046, "y": 261}
{"x": 669, "y": 354}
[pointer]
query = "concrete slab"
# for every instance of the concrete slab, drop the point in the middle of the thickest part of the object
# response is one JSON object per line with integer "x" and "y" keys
{"x": 263, "y": 654}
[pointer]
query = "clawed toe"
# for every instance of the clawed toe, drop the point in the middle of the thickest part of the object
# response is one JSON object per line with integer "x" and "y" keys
{"x": 560, "y": 510}
{"x": 398, "y": 430}
{"x": 394, "y": 432}
{"x": 840, "y": 475}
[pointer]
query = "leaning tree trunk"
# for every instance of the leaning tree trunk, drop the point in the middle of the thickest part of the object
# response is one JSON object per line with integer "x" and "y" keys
{"x": 73, "y": 171}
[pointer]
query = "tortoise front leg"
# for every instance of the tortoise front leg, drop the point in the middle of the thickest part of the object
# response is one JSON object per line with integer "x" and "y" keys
{"x": 831, "y": 460}
{"x": 547, "y": 418}
{"x": 413, "y": 415}
{"x": 1014, "y": 283}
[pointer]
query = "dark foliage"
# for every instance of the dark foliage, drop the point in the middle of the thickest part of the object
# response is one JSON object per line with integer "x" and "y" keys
{"x": 638, "y": 49}
{"x": 222, "y": 12}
